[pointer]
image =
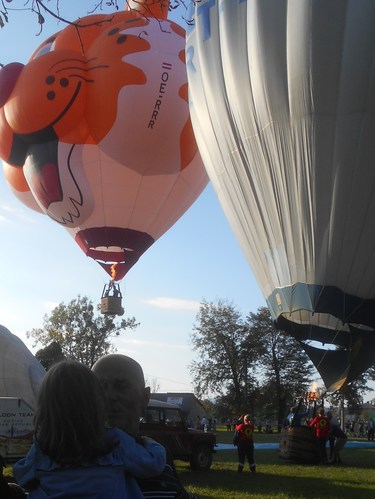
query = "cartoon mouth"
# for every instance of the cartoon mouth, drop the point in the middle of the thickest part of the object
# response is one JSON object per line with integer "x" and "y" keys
{"x": 22, "y": 141}
{"x": 78, "y": 87}
{"x": 69, "y": 105}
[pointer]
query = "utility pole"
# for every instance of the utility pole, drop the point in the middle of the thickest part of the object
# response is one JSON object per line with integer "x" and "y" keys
{"x": 342, "y": 412}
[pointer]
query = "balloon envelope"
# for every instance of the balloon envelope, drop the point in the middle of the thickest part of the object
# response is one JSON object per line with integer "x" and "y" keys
{"x": 96, "y": 127}
{"x": 282, "y": 99}
{"x": 20, "y": 372}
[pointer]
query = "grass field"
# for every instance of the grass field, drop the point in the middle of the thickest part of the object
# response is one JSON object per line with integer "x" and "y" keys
{"x": 277, "y": 478}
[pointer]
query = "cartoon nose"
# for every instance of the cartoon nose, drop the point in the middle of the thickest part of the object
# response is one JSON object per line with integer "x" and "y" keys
{"x": 8, "y": 77}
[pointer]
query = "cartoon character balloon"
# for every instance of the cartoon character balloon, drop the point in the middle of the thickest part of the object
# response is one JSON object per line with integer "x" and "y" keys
{"x": 95, "y": 132}
{"x": 282, "y": 103}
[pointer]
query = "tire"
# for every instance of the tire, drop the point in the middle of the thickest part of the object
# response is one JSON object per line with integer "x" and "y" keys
{"x": 201, "y": 459}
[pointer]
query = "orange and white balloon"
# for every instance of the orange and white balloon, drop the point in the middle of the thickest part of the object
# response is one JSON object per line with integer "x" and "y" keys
{"x": 95, "y": 131}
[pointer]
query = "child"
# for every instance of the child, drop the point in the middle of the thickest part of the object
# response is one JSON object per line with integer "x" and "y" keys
{"x": 245, "y": 444}
{"x": 73, "y": 455}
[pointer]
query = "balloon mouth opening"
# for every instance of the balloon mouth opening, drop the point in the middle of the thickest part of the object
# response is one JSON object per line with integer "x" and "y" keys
{"x": 319, "y": 308}
{"x": 110, "y": 246}
{"x": 111, "y": 249}
{"x": 323, "y": 346}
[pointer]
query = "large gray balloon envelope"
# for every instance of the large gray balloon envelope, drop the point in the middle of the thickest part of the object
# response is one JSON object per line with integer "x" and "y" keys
{"x": 20, "y": 372}
{"x": 282, "y": 97}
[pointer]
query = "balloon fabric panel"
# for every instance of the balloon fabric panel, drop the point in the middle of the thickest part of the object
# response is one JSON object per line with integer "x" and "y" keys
{"x": 20, "y": 372}
{"x": 283, "y": 112}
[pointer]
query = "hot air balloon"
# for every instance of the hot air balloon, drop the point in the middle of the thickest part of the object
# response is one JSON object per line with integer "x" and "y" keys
{"x": 20, "y": 372}
{"x": 95, "y": 132}
{"x": 282, "y": 98}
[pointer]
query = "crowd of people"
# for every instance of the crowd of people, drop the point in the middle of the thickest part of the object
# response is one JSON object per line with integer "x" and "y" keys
{"x": 360, "y": 428}
{"x": 329, "y": 435}
{"x": 203, "y": 423}
{"x": 87, "y": 438}
{"x": 326, "y": 429}
{"x": 261, "y": 426}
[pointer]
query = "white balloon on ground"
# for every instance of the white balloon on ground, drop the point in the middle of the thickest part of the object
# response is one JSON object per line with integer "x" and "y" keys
{"x": 20, "y": 372}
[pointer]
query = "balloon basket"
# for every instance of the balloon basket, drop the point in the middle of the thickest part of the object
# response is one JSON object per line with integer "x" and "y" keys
{"x": 111, "y": 305}
{"x": 299, "y": 444}
{"x": 111, "y": 301}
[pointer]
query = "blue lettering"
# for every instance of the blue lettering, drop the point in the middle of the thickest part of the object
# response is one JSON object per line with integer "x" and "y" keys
{"x": 204, "y": 11}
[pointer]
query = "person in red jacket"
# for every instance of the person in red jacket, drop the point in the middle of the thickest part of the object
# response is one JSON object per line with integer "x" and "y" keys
{"x": 245, "y": 444}
{"x": 322, "y": 425}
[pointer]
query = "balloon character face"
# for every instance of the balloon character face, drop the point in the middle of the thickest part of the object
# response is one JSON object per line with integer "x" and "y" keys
{"x": 95, "y": 132}
{"x": 283, "y": 112}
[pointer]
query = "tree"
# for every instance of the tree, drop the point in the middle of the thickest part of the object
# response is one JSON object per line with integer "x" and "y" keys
{"x": 39, "y": 8}
{"x": 225, "y": 353}
{"x": 50, "y": 355}
{"x": 153, "y": 383}
{"x": 286, "y": 369}
{"x": 248, "y": 364}
{"x": 81, "y": 335}
{"x": 42, "y": 8}
{"x": 354, "y": 392}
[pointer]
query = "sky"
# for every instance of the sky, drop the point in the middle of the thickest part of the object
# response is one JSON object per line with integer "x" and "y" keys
{"x": 41, "y": 265}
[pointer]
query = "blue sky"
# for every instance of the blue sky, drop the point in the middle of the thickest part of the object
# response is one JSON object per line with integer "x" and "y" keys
{"x": 41, "y": 266}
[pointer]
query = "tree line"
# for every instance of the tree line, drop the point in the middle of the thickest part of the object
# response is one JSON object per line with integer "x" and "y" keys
{"x": 247, "y": 365}
{"x": 243, "y": 364}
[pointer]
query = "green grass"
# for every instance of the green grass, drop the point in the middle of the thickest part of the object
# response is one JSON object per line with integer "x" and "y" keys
{"x": 277, "y": 478}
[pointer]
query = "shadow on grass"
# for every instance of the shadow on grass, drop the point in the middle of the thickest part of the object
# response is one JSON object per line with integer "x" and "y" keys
{"x": 224, "y": 484}
{"x": 279, "y": 478}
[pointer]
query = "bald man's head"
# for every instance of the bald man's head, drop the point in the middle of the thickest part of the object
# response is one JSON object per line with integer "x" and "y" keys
{"x": 124, "y": 385}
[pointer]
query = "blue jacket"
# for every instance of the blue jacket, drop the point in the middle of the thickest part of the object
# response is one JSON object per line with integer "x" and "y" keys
{"x": 111, "y": 476}
{"x": 295, "y": 418}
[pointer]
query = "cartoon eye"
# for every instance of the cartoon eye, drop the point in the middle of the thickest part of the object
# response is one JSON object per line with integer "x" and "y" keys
{"x": 48, "y": 47}
{"x": 113, "y": 31}
{"x": 121, "y": 39}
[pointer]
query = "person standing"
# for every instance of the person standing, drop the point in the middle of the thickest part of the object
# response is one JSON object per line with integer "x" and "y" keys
{"x": 370, "y": 429}
{"x": 228, "y": 424}
{"x": 245, "y": 443}
{"x": 321, "y": 426}
{"x": 127, "y": 397}
{"x": 337, "y": 439}
{"x": 74, "y": 454}
{"x": 203, "y": 426}
{"x": 294, "y": 418}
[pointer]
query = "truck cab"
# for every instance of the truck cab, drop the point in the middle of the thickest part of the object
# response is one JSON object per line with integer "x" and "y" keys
{"x": 164, "y": 423}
